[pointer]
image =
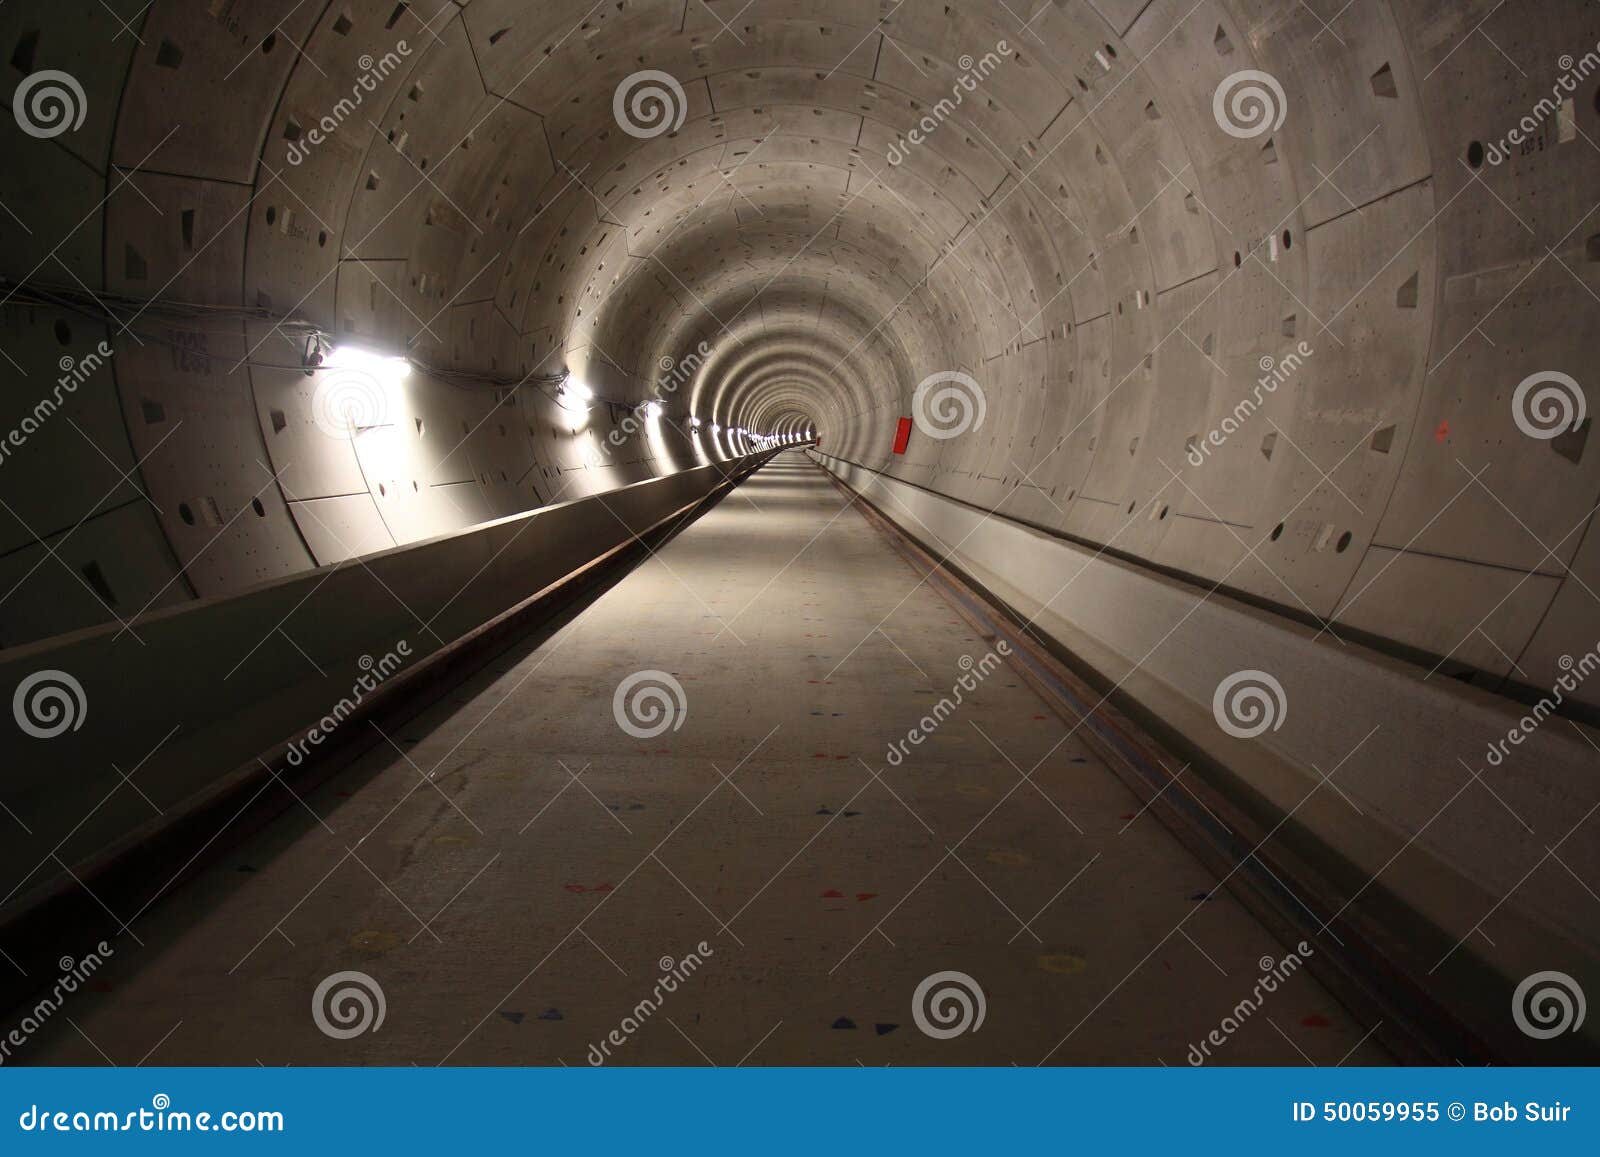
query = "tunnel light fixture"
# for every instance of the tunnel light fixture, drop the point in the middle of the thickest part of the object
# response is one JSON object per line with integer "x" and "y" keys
{"x": 359, "y": 390}
{"x": 381, "y": 366}
{"x": 573, "y": 395}
{"x": 651, "y": 410}
{"x": 716, "y": 429}
{"x": 694, "y": 423}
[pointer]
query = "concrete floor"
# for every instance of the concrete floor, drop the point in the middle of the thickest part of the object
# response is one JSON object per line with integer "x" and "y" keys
{"x": 514, "y": 914}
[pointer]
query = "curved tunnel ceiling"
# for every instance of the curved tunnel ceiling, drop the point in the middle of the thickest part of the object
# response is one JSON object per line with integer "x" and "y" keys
{"x": 1227, "y": 287}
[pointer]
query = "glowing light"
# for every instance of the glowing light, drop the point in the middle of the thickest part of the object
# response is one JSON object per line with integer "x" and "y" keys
{"x": 381, "y": 366}
{"x": 361, "y": 394}
{"x": 358, "y": 390}
{"x": 574, "y": 396}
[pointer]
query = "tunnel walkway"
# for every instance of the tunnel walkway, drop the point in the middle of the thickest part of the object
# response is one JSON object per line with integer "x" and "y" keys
{"x": 517, "y": 873}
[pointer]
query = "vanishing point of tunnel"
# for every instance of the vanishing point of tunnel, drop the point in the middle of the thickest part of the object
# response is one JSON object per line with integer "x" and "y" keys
{"x": 808, "y": 532}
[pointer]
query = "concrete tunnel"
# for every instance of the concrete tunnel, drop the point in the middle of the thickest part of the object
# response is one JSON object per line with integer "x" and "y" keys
{"x": 800, "y": 532}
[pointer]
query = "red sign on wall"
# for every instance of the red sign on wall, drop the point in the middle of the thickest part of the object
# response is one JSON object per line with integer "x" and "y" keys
{"x": 902, "y": 435}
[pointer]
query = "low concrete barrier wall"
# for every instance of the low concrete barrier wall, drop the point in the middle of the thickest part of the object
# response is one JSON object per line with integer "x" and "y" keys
{"x": 115, "y": 728}
{"x": 1384, "y": 768}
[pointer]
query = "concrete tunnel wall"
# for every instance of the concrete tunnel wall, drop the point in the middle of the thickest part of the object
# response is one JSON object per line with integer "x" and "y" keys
{"x": 1078, "y": 233}
{"x": 1055, "y": 212}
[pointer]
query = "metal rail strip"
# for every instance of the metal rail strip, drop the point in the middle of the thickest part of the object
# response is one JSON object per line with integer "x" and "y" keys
{"x": 150, "y": 864}
{"x": 1222, "y": 834}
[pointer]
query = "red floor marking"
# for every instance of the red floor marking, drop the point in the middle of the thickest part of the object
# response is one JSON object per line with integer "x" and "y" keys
{"x": 833, "y": 894}
{"x": 866, "y": 895}
{"x": 1315, "y": 1020}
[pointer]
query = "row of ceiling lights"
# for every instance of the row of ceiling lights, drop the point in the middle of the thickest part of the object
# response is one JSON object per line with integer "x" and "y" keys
{"x": 573, "y": 395}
